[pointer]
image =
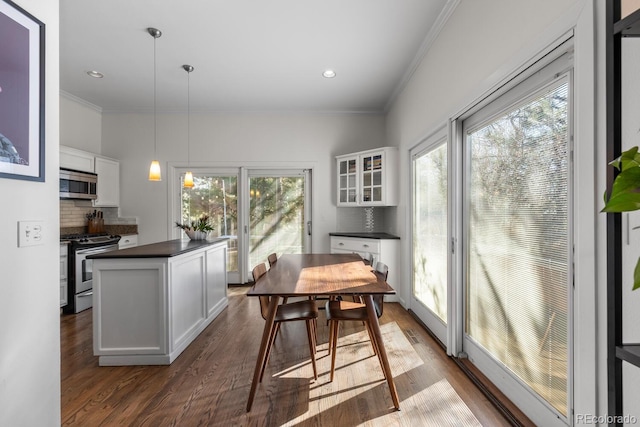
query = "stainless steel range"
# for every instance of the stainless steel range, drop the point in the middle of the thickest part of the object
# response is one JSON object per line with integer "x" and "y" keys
{"x": 80, "y": 273}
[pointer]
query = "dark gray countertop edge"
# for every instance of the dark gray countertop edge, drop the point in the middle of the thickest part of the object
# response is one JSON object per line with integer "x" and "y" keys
{"x": 365, "y": 235}
{"x": 166, "y": 249}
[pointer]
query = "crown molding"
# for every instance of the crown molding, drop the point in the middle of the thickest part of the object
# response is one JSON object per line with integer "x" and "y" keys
{"x": 438, "y": 25}
{"x": 80, "y": 101}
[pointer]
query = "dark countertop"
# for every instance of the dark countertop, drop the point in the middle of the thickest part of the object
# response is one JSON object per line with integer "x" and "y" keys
{"x": 166, "y": 249}
{"x": 365, "y": 235}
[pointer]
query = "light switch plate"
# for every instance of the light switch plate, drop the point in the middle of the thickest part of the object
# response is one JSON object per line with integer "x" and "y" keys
{"x": 30, "y": 233}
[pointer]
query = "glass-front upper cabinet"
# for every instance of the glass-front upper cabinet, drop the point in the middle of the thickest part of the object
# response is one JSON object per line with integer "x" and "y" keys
{"x": 347, "y": 180}
{"x": 368, "y": 178}
{"x": 372, "y": 178}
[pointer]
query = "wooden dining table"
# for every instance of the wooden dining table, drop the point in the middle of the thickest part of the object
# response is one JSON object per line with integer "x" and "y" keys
{"x": 303, "y": 275}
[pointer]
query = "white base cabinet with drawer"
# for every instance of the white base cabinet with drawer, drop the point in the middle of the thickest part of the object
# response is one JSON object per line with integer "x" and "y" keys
{"x": 128, "y": 241}
{"x": 64, "y": 257}
{"x": 382, "y": 249}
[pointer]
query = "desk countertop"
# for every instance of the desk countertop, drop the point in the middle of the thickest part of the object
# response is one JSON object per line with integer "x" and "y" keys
{"x": 166, "y": 249}
{"x": 365, "y": 235}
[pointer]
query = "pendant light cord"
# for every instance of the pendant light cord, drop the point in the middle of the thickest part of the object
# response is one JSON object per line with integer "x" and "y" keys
{"x": 188, "y": 117}
{"x": 155, "y": 106}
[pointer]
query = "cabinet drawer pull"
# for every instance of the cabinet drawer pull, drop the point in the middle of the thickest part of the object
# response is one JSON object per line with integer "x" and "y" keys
{"x": 340, "y": 244}
{"x": 365, "y": 246}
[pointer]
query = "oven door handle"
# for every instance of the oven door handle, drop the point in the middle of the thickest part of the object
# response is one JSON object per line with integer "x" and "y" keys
{"x": 96, "y": 250}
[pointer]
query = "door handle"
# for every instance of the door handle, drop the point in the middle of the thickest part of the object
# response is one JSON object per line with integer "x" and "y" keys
{"x": 309, "y": 228}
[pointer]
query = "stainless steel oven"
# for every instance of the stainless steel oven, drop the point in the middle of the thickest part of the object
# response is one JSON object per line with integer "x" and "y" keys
{"x": 80, "y": 277}
{"x": 84, "y": 276}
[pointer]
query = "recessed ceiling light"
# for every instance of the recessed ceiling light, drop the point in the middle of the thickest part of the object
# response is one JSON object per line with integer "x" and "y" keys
{"x": 329, "y": 74}
{"x": 95, "y": 74}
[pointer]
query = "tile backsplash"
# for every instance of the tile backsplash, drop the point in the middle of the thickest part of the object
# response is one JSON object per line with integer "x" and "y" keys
{"x": 73, "y": 215}
{"x": 364, "y": 219}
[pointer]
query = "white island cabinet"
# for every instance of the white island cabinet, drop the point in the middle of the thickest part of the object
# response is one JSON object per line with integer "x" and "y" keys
{"x": 150, "y": 302}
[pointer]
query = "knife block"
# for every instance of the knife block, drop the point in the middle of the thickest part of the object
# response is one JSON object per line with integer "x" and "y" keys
{"x": 95, "y": 225}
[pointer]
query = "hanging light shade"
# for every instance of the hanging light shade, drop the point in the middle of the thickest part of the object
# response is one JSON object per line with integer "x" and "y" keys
{"x": 188, "y": 180}
{"x": 188, "y": 177}
{"x": 154, "y": 170}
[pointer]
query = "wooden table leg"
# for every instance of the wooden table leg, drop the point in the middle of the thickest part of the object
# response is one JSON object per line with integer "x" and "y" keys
{"x": 266, "y": 333}
{"x": 375, "y": 328}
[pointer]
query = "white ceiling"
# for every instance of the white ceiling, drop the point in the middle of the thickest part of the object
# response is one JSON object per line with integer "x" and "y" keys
{"x": 249, "y": 55}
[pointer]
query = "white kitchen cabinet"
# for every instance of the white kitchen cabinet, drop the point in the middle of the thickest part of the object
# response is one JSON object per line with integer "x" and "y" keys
{"x": 383, "y": 249}
{"x": 64, "y": 258}
{"x": 368, "y": 178}
{"x": 71, "y": 158}
{"x": 108, "y": 171}
{"x": 128, "y": 241}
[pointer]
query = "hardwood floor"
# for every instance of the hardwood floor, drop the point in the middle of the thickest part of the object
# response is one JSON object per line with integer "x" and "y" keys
{"x": 209, "y": 383}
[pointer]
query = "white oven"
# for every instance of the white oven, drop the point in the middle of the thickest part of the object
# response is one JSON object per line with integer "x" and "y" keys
{"x": 84, "y": 276}
{"x": 80, "y": 277}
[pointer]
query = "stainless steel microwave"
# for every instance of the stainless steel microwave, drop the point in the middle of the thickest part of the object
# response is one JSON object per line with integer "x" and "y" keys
{"x": 78, "y": 185}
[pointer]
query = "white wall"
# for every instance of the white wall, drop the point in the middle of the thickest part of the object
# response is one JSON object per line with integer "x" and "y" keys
{"x": 80, "y": 124}
{"x": 480, "y": 46}
{"x": 30, "y": 281}
{"x": 252, "y": 139}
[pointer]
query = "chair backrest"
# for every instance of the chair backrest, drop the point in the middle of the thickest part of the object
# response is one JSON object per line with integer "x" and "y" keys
{"x": 272, "y": 258}
{"x": 368, "y": 258}
{"x": 378, "y": 303}
{"x": 383, "y": 269}
{"x": 259, "y": 271}
{"x": 378, "y": 300}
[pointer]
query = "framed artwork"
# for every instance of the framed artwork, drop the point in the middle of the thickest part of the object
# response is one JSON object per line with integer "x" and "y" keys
{"x": 21, "y": 94}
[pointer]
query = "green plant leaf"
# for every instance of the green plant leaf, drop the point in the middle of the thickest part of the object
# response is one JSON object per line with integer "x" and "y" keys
{"x": 625, "y": 193}
{"x": 628, "y": 159}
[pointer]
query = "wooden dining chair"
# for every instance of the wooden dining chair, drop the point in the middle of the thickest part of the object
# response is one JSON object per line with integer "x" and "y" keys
{"x": 300, "y": 310}
{"x": 367, "y": 258}
{"x": 340, "y": 310}
{"x": 272, "y": 258}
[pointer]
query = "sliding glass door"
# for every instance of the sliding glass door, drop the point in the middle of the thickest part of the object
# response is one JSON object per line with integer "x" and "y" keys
{"x": 518, "y": 244}
{"x": 279, "y": 213}
{"x": 215, "y": 194}
{"x": 430, "y": 234}
{"x": 260, "y": 211}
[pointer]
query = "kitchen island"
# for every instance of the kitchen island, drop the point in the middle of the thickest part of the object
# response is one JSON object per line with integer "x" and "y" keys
{"x": 151, "y": 301}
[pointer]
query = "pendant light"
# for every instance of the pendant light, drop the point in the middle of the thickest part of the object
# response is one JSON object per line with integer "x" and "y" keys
{"x": 188, "y": 177}
{"x": 154, "y": 170}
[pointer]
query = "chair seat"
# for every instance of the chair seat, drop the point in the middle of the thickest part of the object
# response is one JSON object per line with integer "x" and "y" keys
{"x": 345, "y": 310}
{"x": 299, "y": 310}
